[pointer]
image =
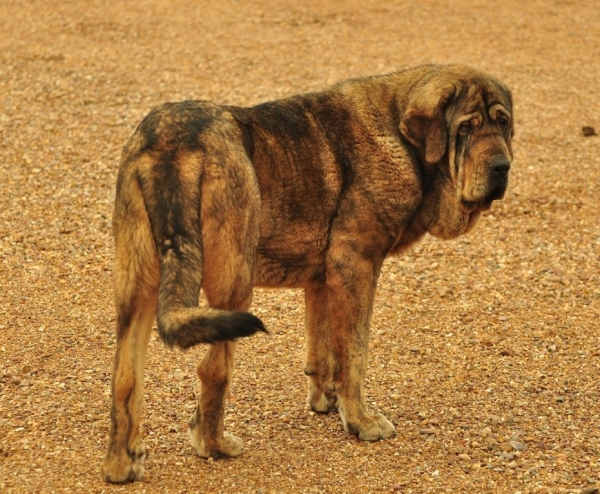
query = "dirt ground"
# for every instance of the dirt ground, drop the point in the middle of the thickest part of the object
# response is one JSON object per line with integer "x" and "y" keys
{"x": 484, "y": 351}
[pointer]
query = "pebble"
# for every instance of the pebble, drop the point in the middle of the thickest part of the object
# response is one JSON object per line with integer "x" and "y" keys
{"x": 464, "y": 457}
{"x": 495, "y": 419}
{"x": 518, "y": 445}
{"x": 588, "y": 130}
{"x": 506, "y": 456}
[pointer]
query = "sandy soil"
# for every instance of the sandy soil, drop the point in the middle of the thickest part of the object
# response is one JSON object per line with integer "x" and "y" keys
{"x": 485, "y": 351}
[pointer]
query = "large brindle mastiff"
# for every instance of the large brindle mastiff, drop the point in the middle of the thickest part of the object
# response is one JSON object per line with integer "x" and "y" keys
{"x": 313, "y": 191}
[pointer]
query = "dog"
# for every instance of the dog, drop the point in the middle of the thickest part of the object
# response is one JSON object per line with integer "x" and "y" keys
{"x": 313, "y": 191}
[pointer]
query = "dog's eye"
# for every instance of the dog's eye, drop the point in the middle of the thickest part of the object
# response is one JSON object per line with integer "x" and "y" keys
{"x": 464, "y": 127}
{"x": 503, "y": 123}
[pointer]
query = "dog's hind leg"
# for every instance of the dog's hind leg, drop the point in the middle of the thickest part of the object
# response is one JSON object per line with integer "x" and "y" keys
{"x": 321, "y": 397}
{"x": 215, "y": 370}
{"x": 124, "y": 461}
{"x": 136, "y": 285}
{"x": 207, "y": 431}
{"x": 230, "y": 215}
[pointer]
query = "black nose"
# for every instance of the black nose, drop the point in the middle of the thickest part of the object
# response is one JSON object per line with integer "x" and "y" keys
{"x": 499, "y": 165}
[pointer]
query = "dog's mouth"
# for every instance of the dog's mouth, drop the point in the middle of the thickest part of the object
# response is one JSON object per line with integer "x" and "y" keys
{"x": 484, "y": 204}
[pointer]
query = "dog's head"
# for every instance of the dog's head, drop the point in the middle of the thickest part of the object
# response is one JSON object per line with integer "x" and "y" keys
{"x": 460, "y": 121}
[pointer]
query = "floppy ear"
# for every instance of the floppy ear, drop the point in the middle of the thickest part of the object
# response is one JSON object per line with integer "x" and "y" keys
{"x": 423, "y": 122}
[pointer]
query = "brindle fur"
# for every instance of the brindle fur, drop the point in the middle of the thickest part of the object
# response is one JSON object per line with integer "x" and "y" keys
{"x": 313, "y": 191}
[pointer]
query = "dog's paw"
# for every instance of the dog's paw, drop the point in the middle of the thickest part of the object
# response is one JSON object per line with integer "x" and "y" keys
{"x": 124, "y": 466}
{"x": 372, "y": 427}
{"x": 322, "y": 402}
{"x": 229, "y": 446}
{"x": 386, "y": 428}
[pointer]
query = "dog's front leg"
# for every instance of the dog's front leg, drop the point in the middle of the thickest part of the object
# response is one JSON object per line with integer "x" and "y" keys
{"x": 351, "y": 282}
{"x": 321, "y": 396}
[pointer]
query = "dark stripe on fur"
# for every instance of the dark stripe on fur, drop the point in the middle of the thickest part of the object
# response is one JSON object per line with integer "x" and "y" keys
{"x": 339, "y": 136}
{"x": 124, "y": 315}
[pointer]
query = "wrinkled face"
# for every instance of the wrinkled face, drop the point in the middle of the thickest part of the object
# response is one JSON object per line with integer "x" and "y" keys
{"x": 479, "y": 147}
{"x": 480, "y": 129}
{"x": 466, "y": 143}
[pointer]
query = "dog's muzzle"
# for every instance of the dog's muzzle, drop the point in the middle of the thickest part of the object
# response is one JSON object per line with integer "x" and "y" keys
{"x": 498, "y": 168}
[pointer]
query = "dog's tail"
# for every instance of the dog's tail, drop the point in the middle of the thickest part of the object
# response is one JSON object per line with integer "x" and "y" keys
{"x": 172, "y": 201}
{"x": 181, "y": 322}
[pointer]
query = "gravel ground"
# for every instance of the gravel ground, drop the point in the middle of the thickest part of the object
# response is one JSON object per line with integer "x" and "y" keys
{"x": 485, "y": 351}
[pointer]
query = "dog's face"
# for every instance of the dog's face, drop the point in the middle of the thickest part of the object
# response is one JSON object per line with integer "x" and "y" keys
{"x": 460, "y": 120}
